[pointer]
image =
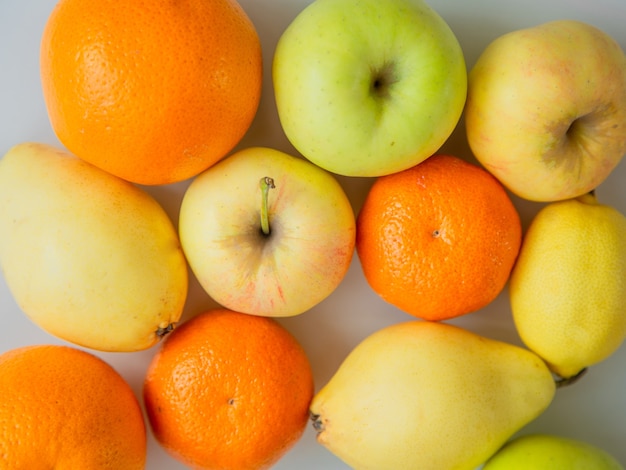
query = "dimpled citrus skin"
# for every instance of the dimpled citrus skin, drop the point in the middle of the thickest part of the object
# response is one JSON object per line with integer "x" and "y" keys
{"x": 153, "y": 92}
{"x": 438, "y": 240}
{"x": 64, "y": 408}
{"x": 568, "y": 288}
{"x": 228, "y": 390}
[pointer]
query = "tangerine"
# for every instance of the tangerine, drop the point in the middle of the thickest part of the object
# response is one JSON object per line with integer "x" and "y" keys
{"x": 64, "y": 408}
{"x": 438, "y": 240}
{"x": 228, "y": 390}
{"x": 152, "y": 92}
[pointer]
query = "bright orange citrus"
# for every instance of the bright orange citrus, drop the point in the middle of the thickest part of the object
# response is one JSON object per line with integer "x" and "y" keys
{"x": 64, "y": 408}
{"x": 438, "y": 240}
{"x": 229, "y": 390}
{"x": 153, "y": 92}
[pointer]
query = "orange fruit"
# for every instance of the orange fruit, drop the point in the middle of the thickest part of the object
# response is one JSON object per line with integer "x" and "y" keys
{"x": 64, "y": 408}
{"x": 438, "y": 240}
{"x": 228, "y": 390}
{"x": 153, "y": 92}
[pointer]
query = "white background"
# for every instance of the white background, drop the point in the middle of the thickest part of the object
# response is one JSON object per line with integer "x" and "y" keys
{"x": 593, "y": 409}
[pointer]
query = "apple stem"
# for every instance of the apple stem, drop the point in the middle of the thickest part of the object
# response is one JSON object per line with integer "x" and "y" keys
{"x": 266, "y": 184}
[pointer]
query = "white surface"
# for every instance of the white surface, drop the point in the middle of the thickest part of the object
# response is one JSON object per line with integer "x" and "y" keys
{"x": 593, "y": 409}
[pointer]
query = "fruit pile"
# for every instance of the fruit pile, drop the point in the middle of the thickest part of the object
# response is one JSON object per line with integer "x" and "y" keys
{"x": 152, "y": 95}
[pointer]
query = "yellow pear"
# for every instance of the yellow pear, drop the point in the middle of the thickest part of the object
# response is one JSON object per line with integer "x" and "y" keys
{"x": 568, "y": 288}
{"x": 429, "y": 396}
{"x": 90, "y": 258}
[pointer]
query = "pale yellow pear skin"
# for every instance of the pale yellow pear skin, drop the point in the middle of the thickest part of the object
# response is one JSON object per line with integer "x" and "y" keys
{"x": 90, "y": 258}
{"x": 568, "y": 287}
{"x": 551, "y": 452}
{"x": 429, "y": 396}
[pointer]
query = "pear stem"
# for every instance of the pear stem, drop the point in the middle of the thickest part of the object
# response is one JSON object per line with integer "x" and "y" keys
{"x": 318, "y": 425}
{"x": 266, "y": 184}
{"x": 164, "y": 330}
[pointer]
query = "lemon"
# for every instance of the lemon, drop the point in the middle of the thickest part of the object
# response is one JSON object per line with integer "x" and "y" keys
{"x": 568, "y": 287}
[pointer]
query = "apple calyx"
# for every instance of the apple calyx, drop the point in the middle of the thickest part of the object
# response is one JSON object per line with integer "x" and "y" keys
{"x": 266, "y": 184}
{"x": 382, "y": 79}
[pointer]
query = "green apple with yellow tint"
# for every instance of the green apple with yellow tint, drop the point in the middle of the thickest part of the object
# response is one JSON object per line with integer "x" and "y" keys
{"x": 551, "y": 452}
{"x": 368, "y": 87}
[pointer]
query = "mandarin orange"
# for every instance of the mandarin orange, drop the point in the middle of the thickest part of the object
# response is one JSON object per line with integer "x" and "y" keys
{"x": 153, "y": 92}
{"x": 438, "y": 240}
{"x": 228, "y": 390}
{"x": 64, "y": 408}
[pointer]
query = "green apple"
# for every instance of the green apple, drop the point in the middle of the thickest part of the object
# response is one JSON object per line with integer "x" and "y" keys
{"x": 267, "y": 233}
{"x": 549, "y": 452}
{"x": 546, "y": 109}
{"x": 368, "y": 87}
